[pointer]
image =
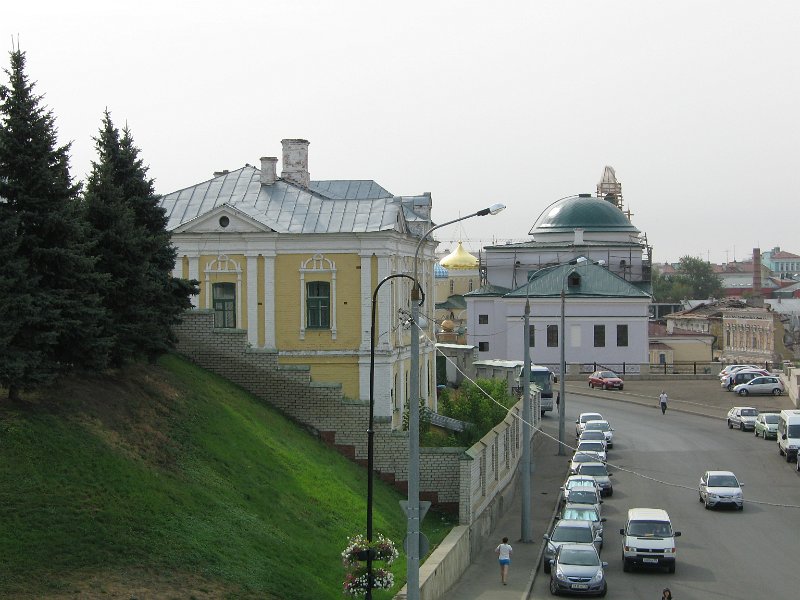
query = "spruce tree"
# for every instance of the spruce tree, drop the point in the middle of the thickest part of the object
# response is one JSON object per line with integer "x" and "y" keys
{"x": 50, "y": 292}
{"x": 135, "y": 248}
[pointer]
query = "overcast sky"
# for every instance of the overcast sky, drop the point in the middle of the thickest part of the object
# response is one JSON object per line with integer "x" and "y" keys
{"x": 693, "y": 102}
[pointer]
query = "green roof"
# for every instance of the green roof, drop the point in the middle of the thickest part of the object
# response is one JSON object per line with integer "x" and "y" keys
{"x": 455, "y": 301}
{"x": 584, "y": 280}
{"x": 489, "y": 290}
{"x": 583, "y": 212}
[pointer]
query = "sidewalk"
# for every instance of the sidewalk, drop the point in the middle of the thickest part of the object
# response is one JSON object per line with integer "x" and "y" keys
{"x": 481, "y": 581}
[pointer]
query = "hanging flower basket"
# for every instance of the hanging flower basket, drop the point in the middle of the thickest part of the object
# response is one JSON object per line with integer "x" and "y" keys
{"x": 358, "y": 550}
{"x": 355, "y": 582}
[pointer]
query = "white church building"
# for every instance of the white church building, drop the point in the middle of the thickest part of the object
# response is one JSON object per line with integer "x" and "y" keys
{"x": 586, "y": 248}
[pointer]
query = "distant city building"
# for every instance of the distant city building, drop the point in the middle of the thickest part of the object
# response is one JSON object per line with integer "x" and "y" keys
{"x": 781, "y": 263}
{"x": 586, "y": 246}
{"x": 456, "y": 274}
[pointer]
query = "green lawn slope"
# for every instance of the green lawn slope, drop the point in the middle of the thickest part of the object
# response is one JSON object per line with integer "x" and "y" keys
{"x": 167, "y": 481}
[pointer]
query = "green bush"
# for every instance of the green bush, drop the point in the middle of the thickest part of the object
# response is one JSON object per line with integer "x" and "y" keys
{"x": 469, "y": 403}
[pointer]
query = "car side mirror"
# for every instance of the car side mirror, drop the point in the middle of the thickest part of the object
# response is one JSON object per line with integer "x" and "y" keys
{"x": 610, "y": 474}
{"x": 603, "y": 520}
{"x": 677, "y": 534}
{"x": 599, "y": 538}
{"x": 546, "y": 538}
{"x": 576, "y": 421}
{"x": 783, "y": 437}
{"x": 601, "y": 501}
{"x": 622, "y": 532}
{"x": 605, "y": 564}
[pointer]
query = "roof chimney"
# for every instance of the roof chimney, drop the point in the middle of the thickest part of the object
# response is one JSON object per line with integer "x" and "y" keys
{"x": 295, "y": 162}
{"x": 268, "y": 170}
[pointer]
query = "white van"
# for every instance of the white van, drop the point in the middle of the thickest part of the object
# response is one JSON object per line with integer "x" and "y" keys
{"x": 789, "y": 434}
{"x": 648, "y": 539}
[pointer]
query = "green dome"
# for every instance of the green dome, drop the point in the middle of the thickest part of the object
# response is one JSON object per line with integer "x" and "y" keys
{"x": 584, "y": 212}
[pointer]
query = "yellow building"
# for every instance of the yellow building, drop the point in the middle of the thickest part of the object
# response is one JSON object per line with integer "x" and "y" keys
{"x": 294, "y": 262}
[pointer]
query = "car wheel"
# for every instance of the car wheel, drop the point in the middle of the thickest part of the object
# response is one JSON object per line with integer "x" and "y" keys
{"x": 626, "y": 565}
{"x": 705, "y": 503}
{"x": 671, "y": 568}
{"x": 743, "y": 392}
{"x": 788, "y": 458}
{"x": 776, "y": 392}
{"x": 730, "y": 387}
{"x": 590, "y": 385}
{"x": 545, "y": 565}
{"x": 730, "y": 425}
{"x": 741, "y": 507}
{"x": 780, "y": 450}
{"x": 610, "y": 492}
{"x": 605, "y": 386}
{"x": 742, "y": 427}
{"x": 755, "y": 432}
{"x": 553, "y": 587}
{"x": 603, "y": 593}
{"x": 620, "y": 389}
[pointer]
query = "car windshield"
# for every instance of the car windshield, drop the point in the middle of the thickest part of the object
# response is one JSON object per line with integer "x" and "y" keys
{"x": 591, "y": 445}
{"x": 583, "y": 496}
{"x": 592, "y": 435}
{"x": 650, "y": 529}
{"x": 597, "y": 426}
{"x": 582, "y": 456}
{"x": 574, "y": 556}
{"x": 607, "y": 374}
{"x": 591, "y": 417}
{"x": 572, "y": 534}
{"x": 593, "y": 470}
{"x": 584, "y": 514}
{"x": 771, "y": 419}
{"x": 580, "y": 482}
{"x": 722, "y": 481}
{"x": 749, "y": 412}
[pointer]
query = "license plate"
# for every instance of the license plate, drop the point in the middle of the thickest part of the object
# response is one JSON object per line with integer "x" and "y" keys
{"x": 580, "y": 586}
{"x": 650, "y": 560}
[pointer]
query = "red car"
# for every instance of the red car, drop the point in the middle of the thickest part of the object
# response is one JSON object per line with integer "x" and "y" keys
{"x": 607, "y": 380}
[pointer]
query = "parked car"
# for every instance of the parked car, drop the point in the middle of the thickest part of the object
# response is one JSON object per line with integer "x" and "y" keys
{"x": 596, "y": 446}
{"x": 731, "y": 368}
{"x": 766, "y": 425}
{"x": 608, "y": 380}
{"x": 580, "y": 422}
{"x": 583, "y": 457}
{"x": 742, "y": 417}
{"x": 601, "y": 425}
{"x": 584, "y": 512}
{"x": 584, "y": 494}
{"x": 568, "y": 532}
{"x": 719, "y": 488}
{"x": 577, "y": 569}
{"x": 601, "y": 475}
{"x": 594, "y": 435}
{"x": 578, "y": 481}
{"x": 742, "y": 376}
{"x": 760, "y": 385}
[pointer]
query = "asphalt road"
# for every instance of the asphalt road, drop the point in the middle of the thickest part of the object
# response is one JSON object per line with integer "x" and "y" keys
{"x": 657, "y": 462}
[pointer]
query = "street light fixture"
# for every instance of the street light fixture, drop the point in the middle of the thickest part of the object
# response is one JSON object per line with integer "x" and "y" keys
{"x": 412, "y": 509}
{"x": 527, "y": 458}
{"x": 370, "y": 430}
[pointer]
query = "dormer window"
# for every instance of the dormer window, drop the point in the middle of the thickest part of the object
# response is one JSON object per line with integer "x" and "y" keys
{"x": 573, "y": 279}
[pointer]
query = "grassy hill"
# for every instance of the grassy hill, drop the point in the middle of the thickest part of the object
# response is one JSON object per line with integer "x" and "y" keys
{"x": 167, "y": 481}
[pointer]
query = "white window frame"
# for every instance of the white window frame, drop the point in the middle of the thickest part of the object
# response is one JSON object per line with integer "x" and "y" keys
{"x": 315, "y": 265}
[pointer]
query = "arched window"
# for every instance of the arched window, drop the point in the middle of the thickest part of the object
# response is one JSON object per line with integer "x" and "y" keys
{"x": 452, "y": 287}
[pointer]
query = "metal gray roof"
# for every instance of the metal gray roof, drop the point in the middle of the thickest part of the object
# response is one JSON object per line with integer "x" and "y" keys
{"x": 324, "y": 207}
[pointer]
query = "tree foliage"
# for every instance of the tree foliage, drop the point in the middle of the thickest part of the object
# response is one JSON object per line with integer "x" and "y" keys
{"x": 134, "y": 249}
{"x": 51, "y": 308}
{"x": 469, "y": 403}
{"x": 695, "y": 278}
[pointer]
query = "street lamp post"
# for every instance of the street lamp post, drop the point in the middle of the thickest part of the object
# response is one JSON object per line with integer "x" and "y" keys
{"x": 371, "y": 431}
{"x": 412, "y": 509}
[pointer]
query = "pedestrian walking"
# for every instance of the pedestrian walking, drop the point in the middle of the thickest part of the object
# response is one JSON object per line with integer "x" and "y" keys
{"x": 504, "y": 552}
{"x": 666, "y": 594}
{"x": 662, "y": 400}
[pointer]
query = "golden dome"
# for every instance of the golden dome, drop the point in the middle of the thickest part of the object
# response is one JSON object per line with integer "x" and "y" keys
{"x": 459, "y": 259}
{"x": 448, "y": 325}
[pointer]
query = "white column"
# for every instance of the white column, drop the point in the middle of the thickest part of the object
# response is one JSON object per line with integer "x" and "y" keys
{"x": 366, "y": 302}
{"x": 194, "y": 273}
{"x": 252, "y": 300}
{"x": 386, "y": 306}
{"x": 269, "y": 302}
